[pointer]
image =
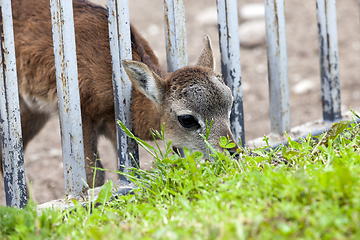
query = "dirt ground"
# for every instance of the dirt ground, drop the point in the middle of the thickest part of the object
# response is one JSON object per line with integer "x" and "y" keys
{"x": 43, "y": 155}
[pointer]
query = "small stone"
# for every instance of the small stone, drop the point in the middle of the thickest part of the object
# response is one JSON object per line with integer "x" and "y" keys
{"x": 252, "y": 11}
{"x": 245, "y": 86}
{"x": 153, "y": 29}
{"x": 208, "y": 16}
{"x": 356, "y": 95}
{"x": 252, "y": 33}
{"x": 34, "y": 157}
{"x": 261, "y": 68}
{"x": 303, "y": 86}
{"x": 55, "y": 152}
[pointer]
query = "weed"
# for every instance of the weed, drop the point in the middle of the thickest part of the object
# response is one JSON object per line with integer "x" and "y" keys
{"x": 308, "y": 189}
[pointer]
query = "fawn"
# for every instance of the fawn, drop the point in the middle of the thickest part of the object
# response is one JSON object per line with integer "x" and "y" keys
{"x": 182, "y": 100}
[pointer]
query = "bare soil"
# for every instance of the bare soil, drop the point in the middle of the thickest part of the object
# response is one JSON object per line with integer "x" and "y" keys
{"x": 43, "y": 155}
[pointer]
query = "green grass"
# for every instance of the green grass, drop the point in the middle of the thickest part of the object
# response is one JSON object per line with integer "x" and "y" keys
{"x": 307, "y": 190}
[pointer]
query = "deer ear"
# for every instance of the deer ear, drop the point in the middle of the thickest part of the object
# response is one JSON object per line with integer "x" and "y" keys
{"x": 206, "y": 58}
{"x": 145, "y": 80}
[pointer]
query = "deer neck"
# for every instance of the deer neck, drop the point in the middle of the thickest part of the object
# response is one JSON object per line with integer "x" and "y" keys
{"x": 144, "y": 113}
{"x": 142, "y": 52}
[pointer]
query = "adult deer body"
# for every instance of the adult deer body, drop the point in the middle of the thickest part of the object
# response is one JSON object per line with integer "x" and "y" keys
{"x": 183, "y": 100}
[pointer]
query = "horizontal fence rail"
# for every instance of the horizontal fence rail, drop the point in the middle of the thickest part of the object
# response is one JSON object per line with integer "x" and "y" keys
{"x": 11, "y": 138}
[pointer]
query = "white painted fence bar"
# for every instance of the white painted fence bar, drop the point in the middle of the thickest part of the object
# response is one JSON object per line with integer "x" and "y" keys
{"x": 175, "y": 34}
{"x": 68, "y": 98}
{"x": 175, "y": 37}
{"x": 277, "y": 63}
{"x": 328, "y": 53}
{"x": 230, "y": 61}
{"x": 120, "y": 46}
{"x": 11, "y": 137}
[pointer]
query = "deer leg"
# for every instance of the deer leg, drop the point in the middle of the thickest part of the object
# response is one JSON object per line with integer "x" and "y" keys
{"x": 91, "y": 154}
{"x": 31, "y": 124}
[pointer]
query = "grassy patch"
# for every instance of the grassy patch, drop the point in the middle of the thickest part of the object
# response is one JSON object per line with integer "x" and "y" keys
{"x": 306, "y": 190}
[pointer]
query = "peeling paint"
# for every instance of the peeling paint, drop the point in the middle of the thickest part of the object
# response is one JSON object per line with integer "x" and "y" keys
{"x": 68, "y": 97}
{"x": 120, "y": 41}
{"x": 175, "y": 34}
{"x": 230, "y": 62}
{"x": 328, "y": 54}
{"x": 277, "y": 67}
{"x": 11, "y": 137}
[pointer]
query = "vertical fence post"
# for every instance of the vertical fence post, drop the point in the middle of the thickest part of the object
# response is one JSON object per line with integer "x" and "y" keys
{"x": 120, "y": 46}
{"x": 328, "y": 52}
{"x": 11, "y": 137}
{"x": 68, "y": 98}
{"x": 277, "y": 63}
{"x": 175, "y": 34}
{"x": 230, "y": 62}
{"x": 175, "y": 37}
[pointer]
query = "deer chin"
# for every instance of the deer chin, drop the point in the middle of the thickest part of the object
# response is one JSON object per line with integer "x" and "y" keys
{"x": 192, "y": 148}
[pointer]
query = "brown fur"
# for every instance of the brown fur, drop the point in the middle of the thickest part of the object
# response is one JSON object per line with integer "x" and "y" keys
{"x": 37, "y": 83}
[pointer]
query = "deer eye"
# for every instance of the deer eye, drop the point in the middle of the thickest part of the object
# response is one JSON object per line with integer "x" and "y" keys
{"x": 187, "y": 121}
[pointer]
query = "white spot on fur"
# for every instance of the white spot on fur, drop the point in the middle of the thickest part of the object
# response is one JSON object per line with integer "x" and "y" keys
{"x": 40, "y": 105}
{"x": 152, "y": 90}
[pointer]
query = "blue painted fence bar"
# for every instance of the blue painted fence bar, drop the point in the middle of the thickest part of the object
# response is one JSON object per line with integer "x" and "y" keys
{"x": 11, "y": 137}
{"x": 328, "y": 53}
{"x": 175, "y": 34}
{"x": 277, "y": 67}
{"x": 120, "y": 47}
{"x": 230, "y": 62}
{"x": 175, "y": 37}
{"x": 68, "y": 98}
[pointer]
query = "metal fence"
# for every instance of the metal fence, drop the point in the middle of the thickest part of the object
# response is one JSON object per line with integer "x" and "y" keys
{"x": 120, "y": 45}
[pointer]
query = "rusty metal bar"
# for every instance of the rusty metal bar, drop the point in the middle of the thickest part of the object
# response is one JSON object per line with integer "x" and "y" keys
{"x": 278, "y": 69}
{"x": 175, "y": 34}
{"x": 120, "y": 46}
{"x": 68, "y": 98}
{"x": 230, "y": 61}
{"x": 11, "y": 137}
{"x": 328, "y": 52}
{"x": 175, "y": 37}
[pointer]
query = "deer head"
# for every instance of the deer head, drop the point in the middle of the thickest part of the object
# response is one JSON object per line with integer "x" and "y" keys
{"x": 186, "y": 99}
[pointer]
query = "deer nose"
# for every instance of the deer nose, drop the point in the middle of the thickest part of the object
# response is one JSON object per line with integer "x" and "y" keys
{"x": 234, "y": 153}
